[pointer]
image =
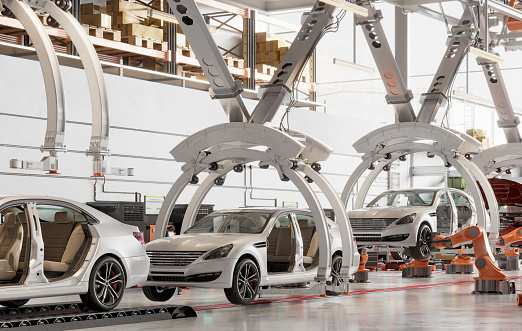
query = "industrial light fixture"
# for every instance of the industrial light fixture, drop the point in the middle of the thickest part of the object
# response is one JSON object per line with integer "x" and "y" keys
{"x": 486, "y": 55}
{"x": 354, "y": 66}
{"x": 467, "y": 97}
{"x": 358, "y": 10}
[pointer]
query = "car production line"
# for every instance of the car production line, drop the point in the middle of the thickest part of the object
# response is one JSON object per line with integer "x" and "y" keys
{"x": 389, "y": 301}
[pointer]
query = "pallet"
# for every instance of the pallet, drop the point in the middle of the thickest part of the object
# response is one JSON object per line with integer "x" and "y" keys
{"x": 104, "y": 33}
{"x": 235, "y": 63}
{"x": 186, "y": 52}
{"x": 265, "y": 69}
{"x": 162, "y": 46}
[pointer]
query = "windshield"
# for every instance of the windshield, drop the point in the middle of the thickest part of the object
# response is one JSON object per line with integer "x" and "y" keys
{"x": 403, "y": 199}
{"x": 248, "y": 222}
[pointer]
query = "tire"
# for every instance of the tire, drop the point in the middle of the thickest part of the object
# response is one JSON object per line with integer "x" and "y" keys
{"x": 337, "y": 261}
{"x": 422, "y": 250}
{"x": 245, "y": 283}
{"x": 158, "y": 293}
{"x": 106, "y": 285}
{"x": 14, "y": 303}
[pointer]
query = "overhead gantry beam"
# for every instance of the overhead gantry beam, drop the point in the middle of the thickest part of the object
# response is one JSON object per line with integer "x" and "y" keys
{"x": 223, "y": 86}
{"x": 397, "y": 93}
{"x": 279, "y": 89}
{"x": 457, "y": 47}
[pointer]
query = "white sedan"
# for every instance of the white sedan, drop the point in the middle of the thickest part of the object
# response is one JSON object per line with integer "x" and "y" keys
{"x": 407, "y": 217}
{"x": 239, "y": 251}
{"x": 53, "y": 246}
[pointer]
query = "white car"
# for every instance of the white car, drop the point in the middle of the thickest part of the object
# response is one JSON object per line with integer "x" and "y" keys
{"x": 53, "y": 246}
{"x": 407, "y": 217}
{"x": 239, "y": 251}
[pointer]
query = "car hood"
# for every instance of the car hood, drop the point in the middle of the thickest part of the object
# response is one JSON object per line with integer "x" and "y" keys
{"x": 200, "y": 242}
{"x": 384, "y": 212}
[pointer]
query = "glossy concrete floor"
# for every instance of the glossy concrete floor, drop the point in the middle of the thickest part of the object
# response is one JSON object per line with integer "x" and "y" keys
{"x": 393, "y": 303}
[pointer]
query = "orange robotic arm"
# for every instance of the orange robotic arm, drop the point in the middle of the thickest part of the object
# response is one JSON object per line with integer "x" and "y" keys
{"x": 511, "y": 237}
{"x": 484, "y": 260}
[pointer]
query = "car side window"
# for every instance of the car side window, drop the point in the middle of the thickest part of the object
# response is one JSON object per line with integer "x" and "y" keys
{"x": 444, "y": 214}
{"x": 54, "y": 213}
{"x": 283, "y": 221}
{"x": 464, "y": 210}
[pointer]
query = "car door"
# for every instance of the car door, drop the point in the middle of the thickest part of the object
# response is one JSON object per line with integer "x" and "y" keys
{"x": 445, "y": 213}
{"x": 281, "y": 244}
{"x": 16, "y": 242}
{"x": 466, "y": 215}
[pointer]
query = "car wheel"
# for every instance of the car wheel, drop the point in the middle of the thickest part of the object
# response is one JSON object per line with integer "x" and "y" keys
{"x": 14, "y": 303}
{"x": 404, "y": 256}
{"x": 422, "y": 250}
{"x": 106, "y": 285}
{"x": 245, "y": 283}
{"x": 337, "y": 262}
{"x": 158, "y": 293}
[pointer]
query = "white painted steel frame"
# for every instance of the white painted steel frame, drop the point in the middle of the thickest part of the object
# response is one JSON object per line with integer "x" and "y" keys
{"x": 55, "y": 133}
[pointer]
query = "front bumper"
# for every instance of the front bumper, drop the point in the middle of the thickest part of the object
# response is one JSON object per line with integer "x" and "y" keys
{"x": 402, "y": 235}
{"x": 216, "y": 273}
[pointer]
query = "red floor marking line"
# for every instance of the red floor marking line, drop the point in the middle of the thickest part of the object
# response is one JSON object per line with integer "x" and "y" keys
{"x": 226, "y": 305}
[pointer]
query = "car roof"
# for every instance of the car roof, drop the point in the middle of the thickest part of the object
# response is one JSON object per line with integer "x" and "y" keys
{"x": 262, "y": 209}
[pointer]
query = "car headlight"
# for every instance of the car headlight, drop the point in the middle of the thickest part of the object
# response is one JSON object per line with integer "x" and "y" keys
{"x": 218, "y": 253}
{"x": 406, "y": 219}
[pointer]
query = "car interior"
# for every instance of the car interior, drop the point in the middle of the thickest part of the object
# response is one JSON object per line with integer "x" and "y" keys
{"x": 281, "y": 245}
{"x": 65, "y": 235}
{"x": 464, "y": 211}
{"x": 444, "y": 214}
{"x": 310, "y": 241}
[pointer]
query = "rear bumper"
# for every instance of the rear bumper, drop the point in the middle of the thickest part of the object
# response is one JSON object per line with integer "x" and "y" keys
{"x": 137, "y": 269}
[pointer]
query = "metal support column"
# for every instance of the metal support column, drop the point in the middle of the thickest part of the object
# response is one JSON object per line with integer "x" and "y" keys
{"x": 458, "y": 44}
{"x": 397, "y": 93}
{"x": 170, "y": 31}
{"x": 249, "y": 48}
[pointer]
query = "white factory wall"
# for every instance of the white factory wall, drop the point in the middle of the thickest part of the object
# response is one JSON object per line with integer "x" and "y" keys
{"x": 147, "y": 120}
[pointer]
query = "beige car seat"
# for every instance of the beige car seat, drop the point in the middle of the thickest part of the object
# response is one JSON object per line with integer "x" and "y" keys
{"x": 11, "y": 235}
{"x": 312, "y": 251}
{"x": 62, "y": 240}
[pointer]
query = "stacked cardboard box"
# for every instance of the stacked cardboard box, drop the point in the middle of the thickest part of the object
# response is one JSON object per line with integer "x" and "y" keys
{"x": 95, "y": 14}
{"x": 131, "y": 19}
{"x": 480, "y": 135}
{"x": 270, "y": 48}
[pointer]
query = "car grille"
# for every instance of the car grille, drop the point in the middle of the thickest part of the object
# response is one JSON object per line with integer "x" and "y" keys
{"x": 370, "y": 224}
{"x": 173, "y": 259}
{"x": 361, "y": 237}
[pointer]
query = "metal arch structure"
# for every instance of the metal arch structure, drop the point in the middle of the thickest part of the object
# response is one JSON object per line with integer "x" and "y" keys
{"x": 495, "y": 160}
{"x": 387, "y": 144}
{"x": 99, "y": 142}
{"x": 233, "y": 144}
{"x": 55, "y": 133}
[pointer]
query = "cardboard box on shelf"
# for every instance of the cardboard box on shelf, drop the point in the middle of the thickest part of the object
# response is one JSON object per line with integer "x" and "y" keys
{"x": 274, "y": 45}
{"x": 92, "y": 8}
{"x": 181, "y": 40}
{"x": 267, "y": 36}
{"x": 260, "y": 47}
{"x": 133, "y": 29}
{"x": 122, "y": 5}
{"x": 283, "y": 51}
{"x": 99, "y": 20}
{"x": 128, "y": 17}
{"x": 267, "y": 57}
{"x": 476, "y": 133}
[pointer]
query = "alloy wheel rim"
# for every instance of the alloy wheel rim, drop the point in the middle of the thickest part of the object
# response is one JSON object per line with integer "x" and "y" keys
{"x": 336, "y": 272}
{"x": 423, "y": 241}
{"x": 109, "y": 283}
{"x": 248, "y": 281}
